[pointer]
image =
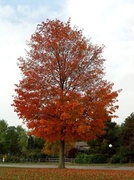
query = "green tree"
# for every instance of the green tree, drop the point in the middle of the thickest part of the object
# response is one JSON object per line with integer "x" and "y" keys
{"x": 35, "y": 146}
{"x": 127, "y": 137}
{"x": 22, "y": 140}
{"x": 12, "y": 143}
{"x": 102, "y": 143}
{"x": 38, "y": 143}
{"x": 3, "y": 130}
{"x": 30, "y": 142}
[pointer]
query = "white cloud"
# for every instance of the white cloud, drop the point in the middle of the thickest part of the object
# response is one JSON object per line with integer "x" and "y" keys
{"x": 111, "y": 23}
{"x": 30, "y": 14}
{"x": 17, "y": 24}
{"x": 12, "y": 45}
{"x": 6, "y": 11}
{"x": 101, "y": 16}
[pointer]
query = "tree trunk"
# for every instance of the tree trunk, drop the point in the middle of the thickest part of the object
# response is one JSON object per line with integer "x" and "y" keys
{"x": 61, "y": 155}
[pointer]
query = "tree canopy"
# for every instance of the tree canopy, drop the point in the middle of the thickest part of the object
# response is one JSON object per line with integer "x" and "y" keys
{"x": 63, "y": 94}
{"x": 127, "y": 135}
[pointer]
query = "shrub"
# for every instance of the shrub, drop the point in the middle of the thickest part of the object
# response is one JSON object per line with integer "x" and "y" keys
{"x": 80, "y": 158}
{"x": 99, "y": 158}
{"x": 89, "y": 159}
{"x": 13, "y": 159}
{"x": 123, "y": 159}
{"x": 115, "y": 159}
{"x": 92, "y": 158}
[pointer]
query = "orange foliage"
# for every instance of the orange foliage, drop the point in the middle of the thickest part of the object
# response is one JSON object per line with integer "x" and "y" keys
{"x": 52, "y": 148}
{"x": 64, "y": 174}
{"x": 63, "y": 94}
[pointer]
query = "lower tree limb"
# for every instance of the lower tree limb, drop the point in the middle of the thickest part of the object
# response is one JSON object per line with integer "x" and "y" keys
{"x": 61, "y": 155}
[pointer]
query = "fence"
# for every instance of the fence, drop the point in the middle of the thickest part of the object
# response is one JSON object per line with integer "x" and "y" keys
{"x": 56, "y": 160}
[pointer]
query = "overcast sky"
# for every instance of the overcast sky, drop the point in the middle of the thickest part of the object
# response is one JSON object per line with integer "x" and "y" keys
{"x": 108, "y": 22}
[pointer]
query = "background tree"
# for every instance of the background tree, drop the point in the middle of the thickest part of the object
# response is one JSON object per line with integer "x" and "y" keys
{"x": 22, "y": 140}
{"x": 35, "y": 146}
{"x": 3, "y": 130}
{"x": 38, "y": 143}
{"x": 127, "y": 138}
{"x": 100, "y": 145}
{"x": 12, "y": 143}
{"x": 63, "y": 95}
{"x": 52, "y": 148}
{"x": 15, "y": 144}
{"x": 30, "y": 142}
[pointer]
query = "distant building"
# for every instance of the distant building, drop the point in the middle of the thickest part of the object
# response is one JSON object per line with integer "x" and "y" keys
{"x": 82, "y": 146}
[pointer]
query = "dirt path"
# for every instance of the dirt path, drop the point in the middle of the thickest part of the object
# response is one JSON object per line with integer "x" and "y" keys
{"x": 104, "y": 167}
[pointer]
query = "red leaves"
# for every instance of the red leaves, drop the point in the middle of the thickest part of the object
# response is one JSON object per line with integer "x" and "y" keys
{"x": 62, "y": 94}
{"x": 64, "y": 116}
{"x": 64, "y": 174}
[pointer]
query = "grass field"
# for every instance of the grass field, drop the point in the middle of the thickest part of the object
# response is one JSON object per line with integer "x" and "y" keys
{"x": 63, "y": 174}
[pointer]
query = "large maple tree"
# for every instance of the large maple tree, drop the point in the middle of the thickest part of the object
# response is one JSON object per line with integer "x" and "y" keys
{"x": 63, "y": 94}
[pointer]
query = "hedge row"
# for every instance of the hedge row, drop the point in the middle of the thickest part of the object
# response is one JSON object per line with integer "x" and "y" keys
{"x": 99, "y": 159}
{"x": 90, "y": 159}
{"x": 80, "y": 158}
